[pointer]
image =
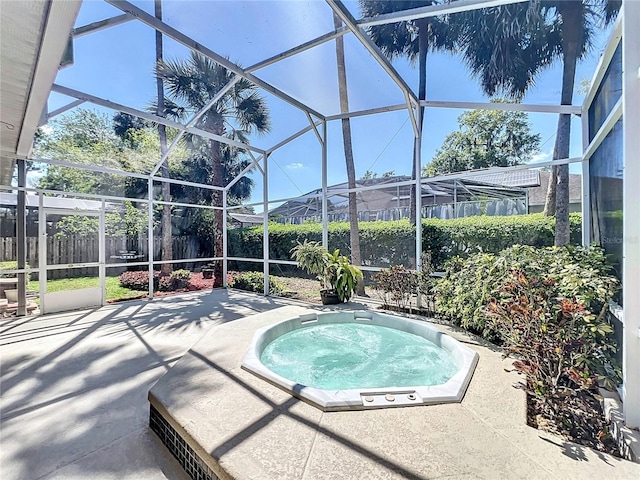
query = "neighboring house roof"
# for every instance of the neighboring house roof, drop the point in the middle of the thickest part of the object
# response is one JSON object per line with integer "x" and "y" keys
{"x": 516, "y": 178}
{"x": 246, "y": 218}
{"x": 538, "y": 195}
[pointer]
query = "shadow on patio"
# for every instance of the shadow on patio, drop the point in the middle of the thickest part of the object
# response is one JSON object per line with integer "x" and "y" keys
{"x": 74, "y": 385}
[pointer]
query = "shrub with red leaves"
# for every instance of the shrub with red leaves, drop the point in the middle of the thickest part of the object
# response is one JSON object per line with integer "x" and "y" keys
{"x": 138, "y": 280}
{"x": 564, "y": 350}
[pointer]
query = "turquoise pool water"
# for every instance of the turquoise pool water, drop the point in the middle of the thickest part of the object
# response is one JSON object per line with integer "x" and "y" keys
{"x": 351, "y": 355}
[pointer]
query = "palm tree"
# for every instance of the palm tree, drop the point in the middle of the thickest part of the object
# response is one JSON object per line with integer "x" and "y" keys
{"x": 191, "y": 84}
{"x": 507, "y": 46}
{"x": 167, "y": 237}
{"x": 354, "y": 231}
{"x": 576, "y": 22}
{"x": 411, "y": 39}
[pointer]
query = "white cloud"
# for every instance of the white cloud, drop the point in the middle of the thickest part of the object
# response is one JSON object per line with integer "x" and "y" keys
{"x": 541, "y": 156}
{"x": 295, "y": 165}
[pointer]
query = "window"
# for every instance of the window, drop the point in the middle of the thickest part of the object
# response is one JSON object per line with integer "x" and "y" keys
{"x": 605, "y": 179}
{"x": 608, "y": 93}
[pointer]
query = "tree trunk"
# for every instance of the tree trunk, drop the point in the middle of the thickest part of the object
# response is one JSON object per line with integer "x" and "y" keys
{"x": 572, "y": 32}
{"x": 423, "y": 47}
{"x": 550, "y": 201}
{"x": 218, "y": 215}
{"x": 354, "y": 231}
{"x": 167, "y": 247}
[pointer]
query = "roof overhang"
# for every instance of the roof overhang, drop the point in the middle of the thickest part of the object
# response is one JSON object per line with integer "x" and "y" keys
{"x": 34, "y": 35}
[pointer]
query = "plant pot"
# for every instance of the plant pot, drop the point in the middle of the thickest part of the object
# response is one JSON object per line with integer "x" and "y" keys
{"x": 207, "y": 273}
{"x": 12, "y": 295}
{"x": 329, "y": 297}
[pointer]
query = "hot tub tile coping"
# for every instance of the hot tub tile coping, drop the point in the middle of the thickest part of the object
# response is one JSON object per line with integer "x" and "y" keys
{"x": 349, "y": 399}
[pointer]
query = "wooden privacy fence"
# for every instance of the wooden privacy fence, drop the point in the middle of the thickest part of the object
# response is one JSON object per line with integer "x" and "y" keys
{"x": 74, "y": 249}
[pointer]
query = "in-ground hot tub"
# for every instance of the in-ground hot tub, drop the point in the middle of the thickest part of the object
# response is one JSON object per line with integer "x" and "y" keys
{"x": 352, "y": 360}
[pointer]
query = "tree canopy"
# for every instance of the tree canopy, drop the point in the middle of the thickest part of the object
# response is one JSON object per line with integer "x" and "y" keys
{"x": 486, "y": 138}
{"x": 88, "y": 137}
{"x": 368, "y": 175}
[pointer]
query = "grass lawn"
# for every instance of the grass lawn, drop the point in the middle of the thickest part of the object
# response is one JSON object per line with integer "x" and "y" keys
{"x": 114, "y": 290}
{"x": 297, "y": 288}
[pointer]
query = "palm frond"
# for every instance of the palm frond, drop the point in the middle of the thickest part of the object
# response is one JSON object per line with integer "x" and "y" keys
{"x": 172, "y": 109}
{"x": 504, "y": 47}
{"x": 252, "y": 113}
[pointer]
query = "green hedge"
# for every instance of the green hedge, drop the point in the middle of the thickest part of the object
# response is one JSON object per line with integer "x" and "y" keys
{"x": 392, "y": 243}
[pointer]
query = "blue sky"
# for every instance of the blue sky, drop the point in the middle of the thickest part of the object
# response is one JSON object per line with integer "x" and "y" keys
{"x": 117, "y": 64}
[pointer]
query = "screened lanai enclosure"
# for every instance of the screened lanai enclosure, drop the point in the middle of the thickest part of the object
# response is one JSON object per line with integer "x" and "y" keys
{"x": 440, "y": 199}
{"x": 131, "y": 130}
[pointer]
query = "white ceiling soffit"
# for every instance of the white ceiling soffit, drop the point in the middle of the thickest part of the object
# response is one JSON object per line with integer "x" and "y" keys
{"x": 33, "y": 36}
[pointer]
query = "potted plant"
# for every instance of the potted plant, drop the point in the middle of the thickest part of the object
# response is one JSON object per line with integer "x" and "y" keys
{"x": 339, "y": 279}
{"x": 207, "y": 271}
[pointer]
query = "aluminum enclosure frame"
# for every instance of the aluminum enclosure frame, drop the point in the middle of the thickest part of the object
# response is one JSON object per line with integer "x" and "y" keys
{"x": 626, "y": 26}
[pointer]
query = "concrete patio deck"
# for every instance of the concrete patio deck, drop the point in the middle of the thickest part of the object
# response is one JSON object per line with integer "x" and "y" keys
{"x": 245, "y": 428}
{"x": 74, "y": 385}
{"x": 74, "y": 406}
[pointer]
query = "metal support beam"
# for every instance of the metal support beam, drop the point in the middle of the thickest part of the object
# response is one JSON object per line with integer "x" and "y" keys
{"x": 433, "y": 11}
{"x": 370, "y": 111}
{"x": 299, "y": 49}
{"x": 631, "y": 226}
{"x": 510, "y": 107}
{"x": 325, "y": 204}
{"x": 291, "y": 138}
{"x": 605, "y": 60}
{"x": 603, "y": 131}
{"x": 254, "y": 163}
{"x": 188, "y": 42}
{"x": 515, "y": 107}
{"x": 315, "y": 129}
{"x": 60, "y": 110}
{"x": 418, "y": 187}
{"x": 586, "y": 194}
{"x": 149, "y": 116}
{"x": 265, "y": 225}
{"x": 150, "y": 234}
{"x": 192, "y": 123}
{"x": 102, "y": 253}
{"x": 101, "y": 25}
{"x": 42, "y": 252}
{"x": 412, "y": 116}
{"x": 111, "y": 171}
{"x": 338, "y": 7}
{"x": 225, "y": 240}
{"x": 21, "y": 237}
{"x": 75, "y": 195}
{"x": 455, "y": 199}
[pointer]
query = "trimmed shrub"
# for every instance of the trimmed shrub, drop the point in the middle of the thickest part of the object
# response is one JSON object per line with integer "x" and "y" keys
{"x": 396, "y": 285}
{"x": 165, "y": 283}
{"x": 254, "y": 282}
{"x": 393, "y": 243}
{"x": 138, "y": 280}
{"x": 180, "y": 279}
